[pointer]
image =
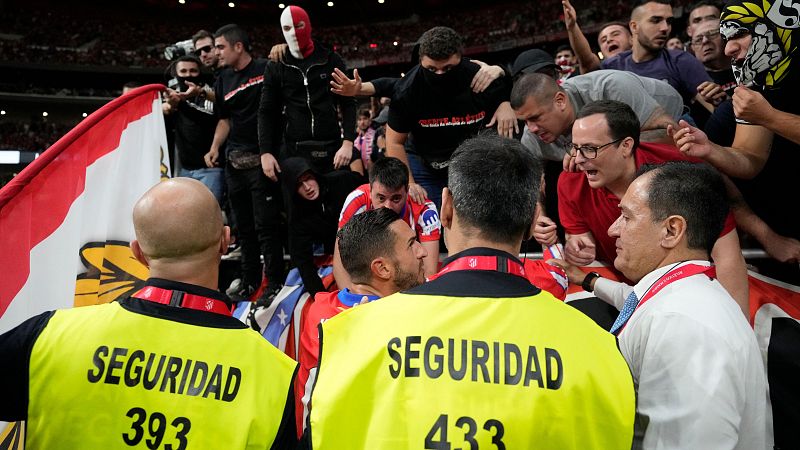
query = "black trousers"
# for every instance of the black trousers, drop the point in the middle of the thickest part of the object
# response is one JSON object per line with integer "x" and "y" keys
{"x": 256, "y": 203}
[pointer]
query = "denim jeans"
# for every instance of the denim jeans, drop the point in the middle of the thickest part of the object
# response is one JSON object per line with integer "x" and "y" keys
{"x": 211, "y": 177}
{"x": 432, "y": 180}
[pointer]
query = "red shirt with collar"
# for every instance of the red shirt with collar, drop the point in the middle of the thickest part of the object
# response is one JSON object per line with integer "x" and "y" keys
{"x": 423, "y": 218}
{"x": 582, "y": 208}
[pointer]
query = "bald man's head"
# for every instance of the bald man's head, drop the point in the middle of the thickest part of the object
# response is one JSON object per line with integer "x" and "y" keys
{"x": 177, "y": 218}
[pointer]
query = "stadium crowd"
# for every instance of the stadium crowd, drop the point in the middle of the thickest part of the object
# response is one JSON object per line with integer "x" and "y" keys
{"x": 35, "y": 135}
{"x": 61, "y": 37}
{"x": 654, "y": 162}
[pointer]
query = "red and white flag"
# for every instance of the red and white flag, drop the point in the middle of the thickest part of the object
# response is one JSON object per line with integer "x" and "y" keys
{"x": 65, "y": 221}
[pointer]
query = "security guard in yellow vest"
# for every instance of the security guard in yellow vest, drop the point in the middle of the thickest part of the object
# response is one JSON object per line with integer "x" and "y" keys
{"x": 477, "y": 357}
{"x": 168, "y": 367}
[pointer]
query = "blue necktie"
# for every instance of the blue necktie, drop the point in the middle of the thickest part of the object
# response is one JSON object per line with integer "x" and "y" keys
{"x": 625, "y": 314}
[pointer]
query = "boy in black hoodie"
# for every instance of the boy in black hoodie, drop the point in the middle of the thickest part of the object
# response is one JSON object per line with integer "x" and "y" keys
{"x": 313, "y": 203}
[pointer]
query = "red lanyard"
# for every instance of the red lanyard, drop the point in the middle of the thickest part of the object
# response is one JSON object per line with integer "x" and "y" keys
{"x": 183, "y": 300}
{"x": 670, "y": 277}
{"x": 493, "y": 263}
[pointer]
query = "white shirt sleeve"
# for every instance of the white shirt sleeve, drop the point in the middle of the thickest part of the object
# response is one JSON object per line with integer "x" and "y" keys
{"x": 612, "y": 292}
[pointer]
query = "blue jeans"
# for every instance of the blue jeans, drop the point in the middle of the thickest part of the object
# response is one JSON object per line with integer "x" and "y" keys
{"x": 211, "y": 177}
{"x": 432, "y": 180}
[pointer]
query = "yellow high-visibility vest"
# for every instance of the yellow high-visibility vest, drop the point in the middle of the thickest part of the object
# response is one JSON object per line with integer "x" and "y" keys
{"x": 436, "y": 372}
{"x": 105, "y": 377}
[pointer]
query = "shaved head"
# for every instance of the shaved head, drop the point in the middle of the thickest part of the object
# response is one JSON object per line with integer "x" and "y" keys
{"x": 176, "y": 219}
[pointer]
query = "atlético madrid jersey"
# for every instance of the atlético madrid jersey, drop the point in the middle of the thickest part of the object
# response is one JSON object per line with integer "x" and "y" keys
{"x": 421, "y": 217}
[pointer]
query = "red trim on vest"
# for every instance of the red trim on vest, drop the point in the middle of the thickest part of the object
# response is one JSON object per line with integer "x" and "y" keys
{"x": 183, "y": 300}
{"x": 492, "y": 263}
{"x": 670, "y": 277}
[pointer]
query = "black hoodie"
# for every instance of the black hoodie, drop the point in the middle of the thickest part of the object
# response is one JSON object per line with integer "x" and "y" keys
{"x": 313, "y": 221}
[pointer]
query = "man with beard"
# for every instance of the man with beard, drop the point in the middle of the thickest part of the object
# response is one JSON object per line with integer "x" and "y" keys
{"x": 205, "y": 50}
{"x": 651, "y": 23}
{"x": 435, "y": 103}
{"x": 383, "y": 256}
{"x": 477, "y": 347}
{"x": 298, "y": 87}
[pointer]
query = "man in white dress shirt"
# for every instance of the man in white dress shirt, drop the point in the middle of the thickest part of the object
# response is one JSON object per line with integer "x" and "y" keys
{"x": 694, "y": 358}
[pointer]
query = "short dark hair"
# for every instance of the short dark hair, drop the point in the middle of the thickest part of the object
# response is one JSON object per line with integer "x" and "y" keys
{"x": 173, "y": 68}
{"x": 201, "y": 35}
{"x": 363, "y": 238}
{"x": 494, "y": 182}
{"x": 233, "y": 34}
{"x": 693, "y": 191}
{"x": 364, "y": 112}
{"x": 622, "y": 121}
{"x": 440, "y": 43}
{"x": 639, "y": 3}
{"x": 612, "y": 23}
{"x": 189, "y": 58}
{"x": 390, "y": 172}
{"x": 536, "y": 85}
{"x": 702, "y": 3}
{"x": 563, "y": 47}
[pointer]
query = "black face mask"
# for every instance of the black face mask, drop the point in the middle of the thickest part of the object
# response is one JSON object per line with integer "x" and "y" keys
{"x": 444, "y": 81}
{"x": 182, "y": 82}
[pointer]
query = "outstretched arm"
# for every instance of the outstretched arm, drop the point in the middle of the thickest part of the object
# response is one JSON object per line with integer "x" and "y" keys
{"x": 743, "y": 159}
{"x": 587, "y": 60}
{"x": 350, "y": 87}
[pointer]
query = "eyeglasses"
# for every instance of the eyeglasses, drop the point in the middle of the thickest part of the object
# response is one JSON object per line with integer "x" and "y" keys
{"x": 698, "y": 38}
{"x": 589, "y": 151}
{"x": 206, "y": 49}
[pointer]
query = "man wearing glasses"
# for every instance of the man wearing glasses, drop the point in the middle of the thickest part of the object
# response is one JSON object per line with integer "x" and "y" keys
{"x": 607, "y": 153}
{"x": 709, "y": 49}
{"x": 204, "y": 49}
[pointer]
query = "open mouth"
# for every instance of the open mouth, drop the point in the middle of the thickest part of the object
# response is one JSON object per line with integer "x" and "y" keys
{"x": 613, "y": 48}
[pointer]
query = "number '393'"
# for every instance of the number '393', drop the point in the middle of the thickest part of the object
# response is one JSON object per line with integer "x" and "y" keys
{"x": 156, "y": 428}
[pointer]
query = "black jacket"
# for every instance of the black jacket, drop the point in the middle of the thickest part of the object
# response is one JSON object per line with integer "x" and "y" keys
{"x": 314, "y": 221}
{"x": 302, "y": 87}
